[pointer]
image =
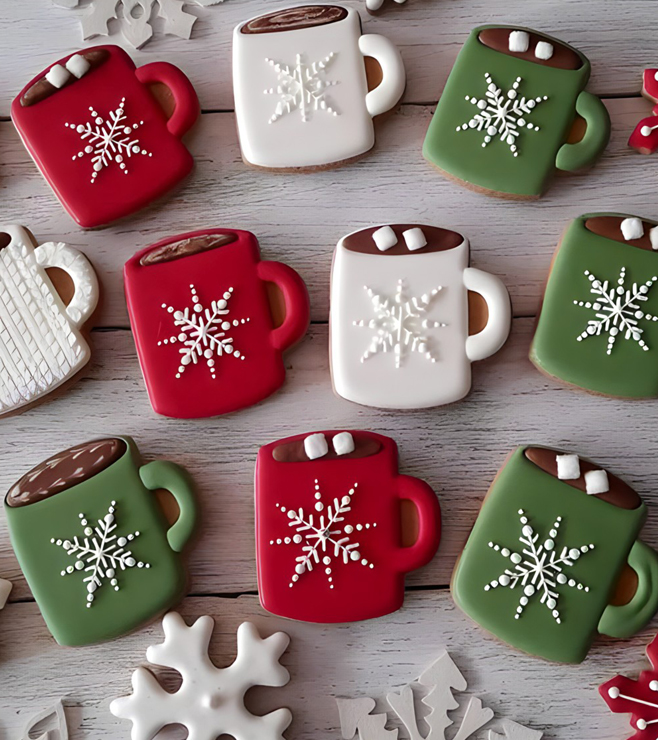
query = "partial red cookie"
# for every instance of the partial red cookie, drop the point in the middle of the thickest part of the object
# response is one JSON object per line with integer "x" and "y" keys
{"x": 207, "y": 334}
{"x": 644, "y": 138}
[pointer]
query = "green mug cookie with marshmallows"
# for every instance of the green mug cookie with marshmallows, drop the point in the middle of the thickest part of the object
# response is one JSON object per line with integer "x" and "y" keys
{"x": 505, "y": 121}
{"x": 554, "y": 557}
{"x": 93, "y": 541}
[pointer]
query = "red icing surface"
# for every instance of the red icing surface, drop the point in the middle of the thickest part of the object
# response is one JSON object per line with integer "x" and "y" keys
{"x": 237, "y": 383}
{"x": 646, "y": 144}
{"x": 359, "y": 591}
{"x": 53, "y": 145}
{"x": 650, "y": 84}
{"x": 642, "y": 699}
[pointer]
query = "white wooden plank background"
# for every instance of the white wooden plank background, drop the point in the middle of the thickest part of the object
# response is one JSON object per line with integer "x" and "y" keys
{"x": 458, "y": 449}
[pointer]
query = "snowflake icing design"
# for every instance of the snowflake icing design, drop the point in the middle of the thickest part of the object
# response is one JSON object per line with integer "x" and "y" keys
{"x": 100, "y": 554}
{"x": 108, "y": 140}
{"x": 325, "y": 539}
{"x": 203, "y": 332}
{"x": 400, "y": 325}
{"x": 502, "y": 115}
{"x": 617, "y": 310}
{"x": 302, "y": 87}
{"x": 538, "y": 569}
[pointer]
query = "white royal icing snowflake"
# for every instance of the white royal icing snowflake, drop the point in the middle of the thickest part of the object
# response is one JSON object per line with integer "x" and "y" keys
{"x": 617, "y": 310}
{"x": 203, "y": 332}
{"x": 325, "y": 539}
{"x": 302, "y": 87}
{"x": 502, "y": 115}
{"x": 400, "y": 325}
{"x": 100, "y": 554}
{"x": 108, "y": 140}
{"x": 537, "y": 568}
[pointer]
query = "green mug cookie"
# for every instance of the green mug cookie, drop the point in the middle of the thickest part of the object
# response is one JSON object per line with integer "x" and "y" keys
{"x": 504, "y": 123}
{"x": 554, "y": 557}
{"x": 93, "y": 541}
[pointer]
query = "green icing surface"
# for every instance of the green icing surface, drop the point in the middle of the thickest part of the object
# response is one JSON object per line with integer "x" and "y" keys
{"x": 494, "y": 167}
{"x": 585, "y": 521}
{"x": 143, "y": 592}
{"x": 629, "y": 371}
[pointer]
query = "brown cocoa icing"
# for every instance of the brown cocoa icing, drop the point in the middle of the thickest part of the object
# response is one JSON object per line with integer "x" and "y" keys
{"x": 295, "y": 19}
{"x": 620, "y": 493}
{"x": 42, "y": 89}
{"x": 564, "y": 57}
{"x": 186, "y": 248}
{"x": 294, "y": 451}
{"x": 610, "y": 228}
{"x": 438, "y": 240}
{"x": 65, "y": 470}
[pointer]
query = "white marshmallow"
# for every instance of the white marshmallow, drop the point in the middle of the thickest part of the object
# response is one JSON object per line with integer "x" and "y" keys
{"x": 568, "y": 467}
{"x": 519, "y": 41}
{"x": 596, "y": 481}
{"x": 5, "y": 590}
{"x": 384, "y": 238}
{"x": 343, "y": 443}
{"x": 315, "y": 446}
{"x": 653, "y": 235}
{"x": 58, "y": 76}
{"x": 414, "y": 239}
{"x": 78, "y": 66}
{"x": 632, "y": 228}
{"x": 544, "y": 50}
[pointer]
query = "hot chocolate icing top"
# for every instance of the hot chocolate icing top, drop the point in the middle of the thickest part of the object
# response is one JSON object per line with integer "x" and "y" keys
{"x": 563, "y": 56}
{"x": 65, "y": 470}
{"x": 294, "y": 451}
{"x": 620, "y": 493}
{"x": 438, "y": 240}
{"x": 295, "y": 19}
{"x": 610, "y": 228}
{"x": 186, "y": 248}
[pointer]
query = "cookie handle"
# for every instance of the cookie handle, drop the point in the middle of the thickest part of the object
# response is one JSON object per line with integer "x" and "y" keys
{"x": 572, "y": 157}
{"x": 296, "y": 299}
{"x": 387, "y": 94}
{"x": 78, "y": 268}
{"x": 626, "y": 620}
{"x": 429, "y": 524}
{"x": 168, "y": 475}
{"x": 488, "y": 341}
{"x": 186, "y": 108}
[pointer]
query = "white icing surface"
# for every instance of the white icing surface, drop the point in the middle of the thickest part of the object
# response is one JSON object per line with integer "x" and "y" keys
{"x": 433, "y": 368}
{"x": 58, "y": 76}
{"x": 384, "y": 238}
{"x": 312, "y": 82}
{"x": 519, "y": 41}
{"x": 568, "y": 467}
{"x": 343, "y": 443}
{"x": 544, "y": 50}
{"x": 653, "y": 236}
{"x": 53, "y": 715}
{"x": 632, "y": 228}
{"x": 5, "y": 590}
{"x": 377, "y": 4}
{"x": 414, "y": 239}
{"x": 77, "y": 65}
{"x": 210, "y": 700}
{"x": 41, "y": 346}
{"x": 315, "y": 446}
{"x": 596, "y": 481}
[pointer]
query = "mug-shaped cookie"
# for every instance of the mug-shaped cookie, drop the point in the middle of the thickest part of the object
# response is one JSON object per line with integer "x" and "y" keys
{"x": 93, "y": 542}
{"x": 41, "y": 343}
{"x": 204, "y": 326}
{"x": 399, "y": 320}
{"x": 101, "y": 137}
{"x": 301, "y": 90}
{"x": 598, "y": 326}
{"x": 329, "y": 526}
{"x": 504, "y": 122}
{"x": 554, "y": 558}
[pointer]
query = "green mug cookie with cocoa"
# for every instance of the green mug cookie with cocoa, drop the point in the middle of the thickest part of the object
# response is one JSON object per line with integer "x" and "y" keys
{"x": 93, "y": 541}
{"x": 506, "y": 119}
{"x": 554, "y": 557}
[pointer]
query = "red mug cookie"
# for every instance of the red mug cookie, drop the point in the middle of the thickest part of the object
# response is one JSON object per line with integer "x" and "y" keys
{"x": 98, "y": 133}
{"x": 207, "y": 340}
{"x": 329, "y": 526}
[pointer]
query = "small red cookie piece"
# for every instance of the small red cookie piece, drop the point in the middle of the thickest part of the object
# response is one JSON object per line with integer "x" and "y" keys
{"x": 644, "y": 138}
{"x": 650, "y": 84}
